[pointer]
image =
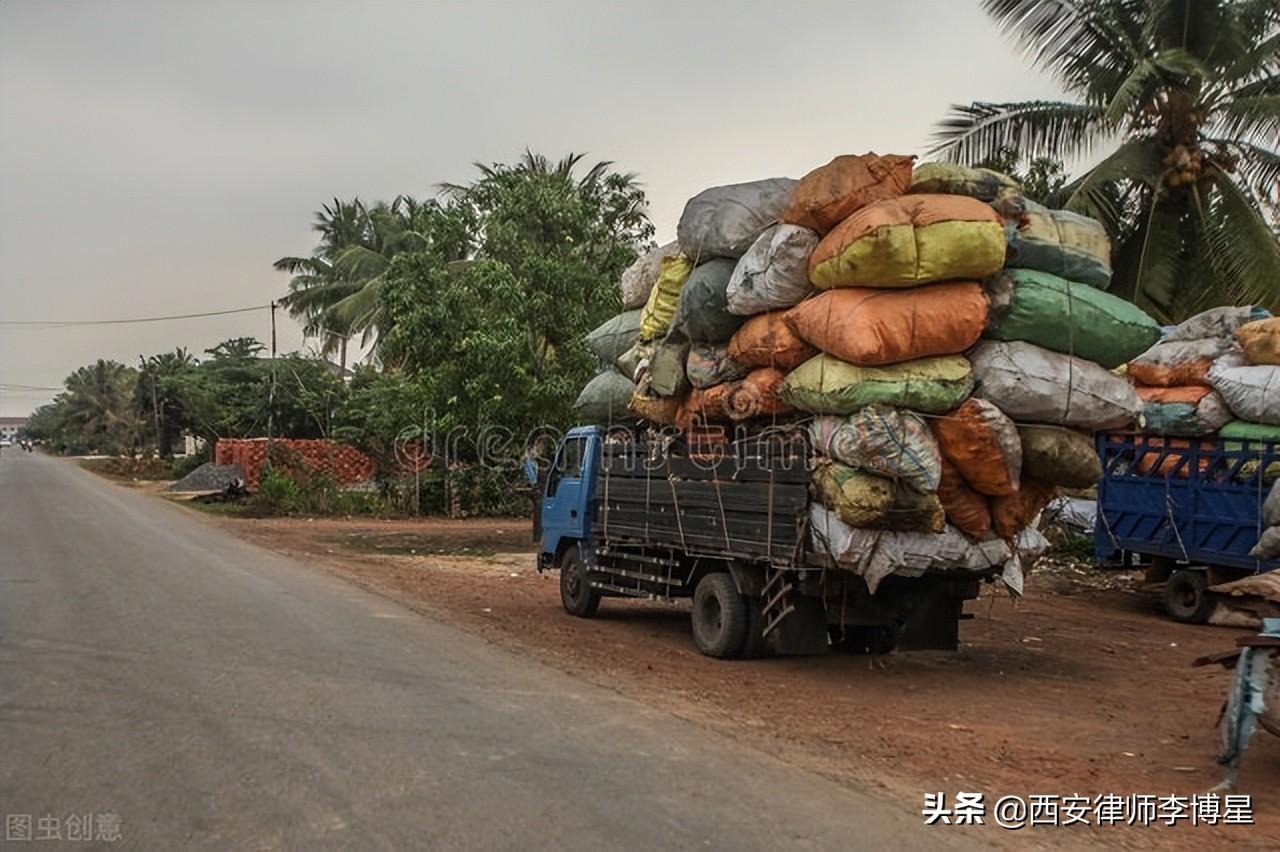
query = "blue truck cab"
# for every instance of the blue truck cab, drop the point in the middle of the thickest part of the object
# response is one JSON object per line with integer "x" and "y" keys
{"x": 566, "y": 495}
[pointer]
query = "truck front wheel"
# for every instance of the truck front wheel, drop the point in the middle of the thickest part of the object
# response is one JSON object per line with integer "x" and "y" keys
{"x": 576, "y": 594}
{"x": 1187, "y": 597}
{"x": 719, "y": 617}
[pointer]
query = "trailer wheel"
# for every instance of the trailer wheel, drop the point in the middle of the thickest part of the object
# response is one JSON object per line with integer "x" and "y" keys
{"x": 576, "y": 594}
{"x": 1187, "y": 597}
{"x": 719, "y": 617}
{"x": 754, "y": 645}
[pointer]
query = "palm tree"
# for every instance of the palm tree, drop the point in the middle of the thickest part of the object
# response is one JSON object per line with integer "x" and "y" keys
{"x": 1186, "y": 96}
{"x": 97, "y": 405}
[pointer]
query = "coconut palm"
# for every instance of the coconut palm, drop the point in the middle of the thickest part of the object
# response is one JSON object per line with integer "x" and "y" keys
{"x": 1184, "y": 96}
{"x": 334, "y": 292}
{"x": 98, "y": 405}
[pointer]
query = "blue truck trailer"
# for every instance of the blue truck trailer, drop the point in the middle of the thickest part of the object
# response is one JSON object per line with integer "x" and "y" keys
{"x": 629, "y": 515}
{"x": 1188, "y": 510}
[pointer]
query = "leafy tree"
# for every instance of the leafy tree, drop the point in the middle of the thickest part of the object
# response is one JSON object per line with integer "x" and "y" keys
{"x": 95, "y": 413}
{"x": 1044, "y": 180}
{"x": 1191, "y": 91}
{"x": 161, "y": 397}
{"x": 335, "y": 291}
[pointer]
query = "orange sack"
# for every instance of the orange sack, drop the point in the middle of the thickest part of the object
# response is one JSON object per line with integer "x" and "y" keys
{"x": 1188, "y": 394}
{"x": 766, "y": 340}
{"x": 1013, "y": 513}
{"x": 871, "y": 327}
{"x": 703, "y": 405}
{"x": 966, "y": 509}
{"x": 826, "y": 196}
{"x": 983, "y": 445}
{"x": 756, "y": 395}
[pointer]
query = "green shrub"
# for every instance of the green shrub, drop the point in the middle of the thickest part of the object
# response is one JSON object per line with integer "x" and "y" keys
{"x": 278, "y": 493}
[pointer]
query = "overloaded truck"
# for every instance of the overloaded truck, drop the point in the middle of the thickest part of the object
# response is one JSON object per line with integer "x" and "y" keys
{"x": 1187, "y": 510}
{"x": 726, "y": 523}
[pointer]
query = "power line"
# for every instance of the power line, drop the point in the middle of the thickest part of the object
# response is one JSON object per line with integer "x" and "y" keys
{"x": 39, "y": 325}
{"x": 4, "y": 386}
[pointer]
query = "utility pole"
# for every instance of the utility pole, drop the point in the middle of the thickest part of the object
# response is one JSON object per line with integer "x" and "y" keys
{"x": 271, "y": 394}
{"x": 155, "y": 403}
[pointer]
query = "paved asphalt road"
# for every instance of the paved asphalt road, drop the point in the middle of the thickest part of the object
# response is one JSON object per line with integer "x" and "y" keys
{"x": 214, "y": 695}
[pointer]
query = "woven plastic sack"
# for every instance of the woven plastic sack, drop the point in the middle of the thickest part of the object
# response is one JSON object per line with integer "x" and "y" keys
{"x": 1014, "y": 512}
{"x": 766, "y": 340}
{"x": 1217, "y": 322}
{"x": 826, "y": 385}
{"x": 655, "y": 319}
{"x": 1057, "y": 456}
{"x": 1175, "y": 363}
{"x": 656, "y": 409}
{"x": 1189, "y": 411}
{"x": 858, "y": 498}
{"x": 725, "y": 220}
{"x": 1268, "y": 546}
{"x": 874, "y": 554}
{"x": 1060, "y": 242}
{"x": 1077, "y": 319}
{"x": 965, "y": 508}
{"x": 702, "y": 315}
{"x": 666, "y": 369}
{"x": 638, "y": 279}
{"x": 1033, "y": 384}
{"x": 774, "y": 273}
{"x": 884, "y": 441}
{"x": 1260, "y": 341}
{"x": 709, "y": 364}
{"x": 635, "y": 361}
{"x": 757, "y": 395}
{"x": 915, "y": 511}
{"x": 609, "y": 340}
{"x": 954, "y": 179}
{"x": 871, "y": 327}
{"x": 703, "y": 406}
{"x": 829, "y": 194}
{"x": 1243, "y": 430}
{"x": 605, "y": 398}
{"x": 1252, "y": 393}
{"x": 983, "y": 446}
{"x": 908, "y": 241}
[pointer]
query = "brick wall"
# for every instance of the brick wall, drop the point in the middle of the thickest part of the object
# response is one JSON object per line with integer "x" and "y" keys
{"x": 345, "y": 463}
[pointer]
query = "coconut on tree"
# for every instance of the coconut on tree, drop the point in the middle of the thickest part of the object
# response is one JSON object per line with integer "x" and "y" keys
{"x": 1184, "y": 98}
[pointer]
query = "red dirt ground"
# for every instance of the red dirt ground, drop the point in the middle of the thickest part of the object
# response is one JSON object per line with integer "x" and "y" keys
{"x": 1076, "y": 689}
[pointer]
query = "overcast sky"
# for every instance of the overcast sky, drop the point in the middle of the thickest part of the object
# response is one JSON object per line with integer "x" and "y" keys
{"x": 155, "y": 158}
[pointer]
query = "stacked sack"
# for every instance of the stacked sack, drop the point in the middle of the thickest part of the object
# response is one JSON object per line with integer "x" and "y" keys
{"x": 947, "y": 345}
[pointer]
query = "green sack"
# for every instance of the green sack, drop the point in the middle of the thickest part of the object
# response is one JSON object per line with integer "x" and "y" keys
{"x": 1059, "y": 456}
{"x": 826, "y": 385}
{"x": 605, "y": 398}
{"x": 859, "y": 499}
{"x": 666, "y": 369}
{"x": 1243, "y": 430}
{"x": 1057, "y": 241}
{"x": 609, "y": 340}
{"x": 1063, "y": 316}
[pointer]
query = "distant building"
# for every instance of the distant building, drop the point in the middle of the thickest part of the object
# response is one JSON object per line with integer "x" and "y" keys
{"x": 11, "y": 426}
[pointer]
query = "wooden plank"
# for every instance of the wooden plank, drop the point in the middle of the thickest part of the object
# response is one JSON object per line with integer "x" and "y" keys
{"x": 739, "y": 496}
{"x": 667, "y": 525}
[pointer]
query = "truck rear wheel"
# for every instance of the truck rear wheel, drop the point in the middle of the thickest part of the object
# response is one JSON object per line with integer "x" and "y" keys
{"x": 576, "y": 594}
{"x": 754, "y": 644}
{"x": 719, "y": 617}
{"x": 1187, "y": 597}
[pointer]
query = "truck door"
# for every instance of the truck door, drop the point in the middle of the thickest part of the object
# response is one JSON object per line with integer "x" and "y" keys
{"x": 564, "y": 502}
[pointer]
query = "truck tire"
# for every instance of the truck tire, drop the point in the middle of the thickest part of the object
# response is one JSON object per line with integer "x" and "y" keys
{"x": 1187, "y": 597}
{"x": 754, "y": 645}
{"x": 719, "y": 617}
{"x": 576, "y": 594}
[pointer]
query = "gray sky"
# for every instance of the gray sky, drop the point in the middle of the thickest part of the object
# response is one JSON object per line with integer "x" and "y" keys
{"x": 156, "y": 158}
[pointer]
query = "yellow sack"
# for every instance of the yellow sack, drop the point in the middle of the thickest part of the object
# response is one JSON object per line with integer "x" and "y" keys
{"x": 911, "y": 240}
{"x": 656, "y": 317}
{"x": 1260, "y": 340}
{"x": 859, "y": 499}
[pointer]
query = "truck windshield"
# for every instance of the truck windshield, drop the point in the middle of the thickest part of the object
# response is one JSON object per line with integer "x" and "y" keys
{"x": 568, "y": 463}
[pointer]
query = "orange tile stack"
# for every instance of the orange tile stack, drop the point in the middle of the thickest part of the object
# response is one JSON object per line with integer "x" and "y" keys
{"x": 344, "y": 463}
